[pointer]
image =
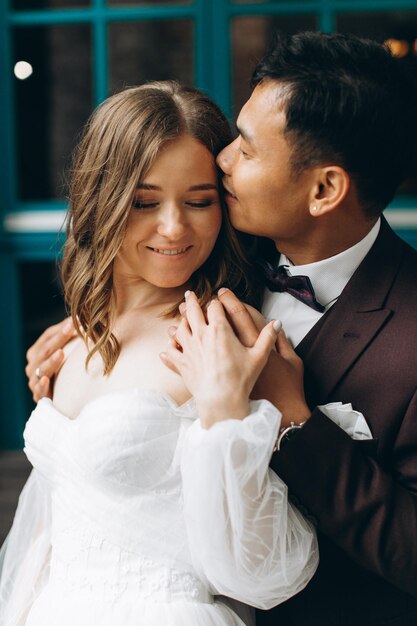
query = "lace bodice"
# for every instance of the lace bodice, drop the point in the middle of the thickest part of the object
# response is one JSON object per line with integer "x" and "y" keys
{"x": 116, "y": 469}
{"x": 143, "y": 508}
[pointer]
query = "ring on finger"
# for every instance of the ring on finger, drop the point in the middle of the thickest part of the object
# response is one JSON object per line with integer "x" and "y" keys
{"x": 38, "y": 373}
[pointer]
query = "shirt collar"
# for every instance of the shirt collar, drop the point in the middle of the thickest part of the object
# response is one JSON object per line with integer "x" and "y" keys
{"x": 330, "y": 276}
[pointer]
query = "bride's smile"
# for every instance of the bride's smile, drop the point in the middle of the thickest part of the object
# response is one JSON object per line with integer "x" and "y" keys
{"x": 175, "y": 218}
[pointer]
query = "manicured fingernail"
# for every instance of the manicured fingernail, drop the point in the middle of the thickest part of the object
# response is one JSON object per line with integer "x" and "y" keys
{"x": 187, "y": 293}
{"x": 277, "y": 325}
{"x": 182, "y": 308}
{"x": 222, "y": 291}
{"x": 56, "y": 356}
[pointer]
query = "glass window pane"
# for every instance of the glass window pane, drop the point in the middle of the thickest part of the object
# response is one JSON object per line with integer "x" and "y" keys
{"x": 156, "y": 50}
{"x": 52, "y": 104}
{"x": 380, "y": 26}
{"x": 250, "y": 38}
{"x": 399, "y": 30}
{"x": 49, "y": 4}
{"x": 42, "y": 303}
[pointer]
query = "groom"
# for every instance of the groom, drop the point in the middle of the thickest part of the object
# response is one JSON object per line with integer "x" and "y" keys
{"x": 325, "y": 140}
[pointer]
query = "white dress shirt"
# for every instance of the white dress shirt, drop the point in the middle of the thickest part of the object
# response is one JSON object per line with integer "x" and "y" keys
{"x": 329, "y": 277}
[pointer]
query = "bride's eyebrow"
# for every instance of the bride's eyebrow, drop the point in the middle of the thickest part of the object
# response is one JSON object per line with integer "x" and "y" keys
{"x": 146, "y": 187}
{"x": 203, "y": 187}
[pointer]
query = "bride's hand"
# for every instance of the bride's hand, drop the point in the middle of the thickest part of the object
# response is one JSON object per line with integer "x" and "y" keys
{"x": 218, "y": 370}
{"x": 282, "y": 379}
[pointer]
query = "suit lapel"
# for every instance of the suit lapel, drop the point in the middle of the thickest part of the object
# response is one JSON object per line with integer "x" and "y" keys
{"x": 334, "y": 344}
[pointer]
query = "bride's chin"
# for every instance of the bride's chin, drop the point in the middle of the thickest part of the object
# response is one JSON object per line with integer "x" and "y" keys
{"x": 173, "y": 284}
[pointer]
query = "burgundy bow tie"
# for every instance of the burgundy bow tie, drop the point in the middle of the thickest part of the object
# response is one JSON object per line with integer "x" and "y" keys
{"x": 300, "y": 287}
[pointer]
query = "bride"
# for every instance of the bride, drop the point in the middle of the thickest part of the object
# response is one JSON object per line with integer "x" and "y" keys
{"x": 109, "y": 525}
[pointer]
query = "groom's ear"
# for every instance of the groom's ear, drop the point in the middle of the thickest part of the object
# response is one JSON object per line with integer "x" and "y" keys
{"x": 331, "y": 186}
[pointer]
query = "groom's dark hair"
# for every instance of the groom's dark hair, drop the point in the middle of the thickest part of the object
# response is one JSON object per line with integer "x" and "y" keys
{"x": 348, "y": 101}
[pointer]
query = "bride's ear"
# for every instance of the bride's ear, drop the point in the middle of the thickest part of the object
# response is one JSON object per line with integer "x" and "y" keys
{"x": 329, "y": 190}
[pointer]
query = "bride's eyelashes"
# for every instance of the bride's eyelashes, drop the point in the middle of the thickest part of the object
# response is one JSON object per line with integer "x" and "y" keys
{"x": 201, "y": 204}
{"x": 143, "y": 205}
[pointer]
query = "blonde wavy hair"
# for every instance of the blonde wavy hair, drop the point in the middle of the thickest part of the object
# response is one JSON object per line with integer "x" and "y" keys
{"x": 120, "y": 143}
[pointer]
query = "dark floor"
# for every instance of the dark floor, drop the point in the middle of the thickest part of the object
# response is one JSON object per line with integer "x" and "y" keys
{"x": 14, "y": 470}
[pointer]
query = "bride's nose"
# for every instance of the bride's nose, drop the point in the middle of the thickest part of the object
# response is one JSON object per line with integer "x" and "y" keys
{"x": 172, "y": 222}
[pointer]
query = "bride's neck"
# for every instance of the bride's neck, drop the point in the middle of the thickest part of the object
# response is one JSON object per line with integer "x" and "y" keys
{"x": 133, "y": 295}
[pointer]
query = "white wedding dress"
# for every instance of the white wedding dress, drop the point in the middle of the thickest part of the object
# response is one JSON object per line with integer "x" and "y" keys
{"x": 136, "y": 516}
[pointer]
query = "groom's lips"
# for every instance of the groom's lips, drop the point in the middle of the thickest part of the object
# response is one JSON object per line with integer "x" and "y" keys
{"x": 228, "y": 191}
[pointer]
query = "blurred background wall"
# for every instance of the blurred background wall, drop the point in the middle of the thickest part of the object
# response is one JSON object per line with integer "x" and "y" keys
{"x": 60, "y": 58}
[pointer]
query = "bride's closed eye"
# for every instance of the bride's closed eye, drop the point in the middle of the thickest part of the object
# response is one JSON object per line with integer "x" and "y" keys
{"x": 201, "y": 204}
{"x": 142, "y": 205}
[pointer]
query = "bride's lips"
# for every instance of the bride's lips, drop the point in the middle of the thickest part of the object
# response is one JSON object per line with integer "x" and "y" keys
{"x": 176, "y": 252}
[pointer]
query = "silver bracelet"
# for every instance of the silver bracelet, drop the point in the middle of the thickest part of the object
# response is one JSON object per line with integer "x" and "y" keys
{"x": 286, "y": 433}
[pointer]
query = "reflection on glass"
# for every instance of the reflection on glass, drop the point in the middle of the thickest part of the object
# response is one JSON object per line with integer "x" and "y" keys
{"x": 398, "y": 29}
{"x": 250, "y": 38}
{"x": 51, "y": 105}
{"x": 22, "y": 70}
{"x": 151, "y": 50}
{"x": 399, "y": 47}
{"x": 48, "y": 4}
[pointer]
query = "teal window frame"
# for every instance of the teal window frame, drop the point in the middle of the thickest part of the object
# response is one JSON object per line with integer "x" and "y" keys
{"x": 213, "y": 73}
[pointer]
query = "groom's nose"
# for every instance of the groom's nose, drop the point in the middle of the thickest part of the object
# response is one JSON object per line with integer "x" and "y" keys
{"x": 226, "y": 157}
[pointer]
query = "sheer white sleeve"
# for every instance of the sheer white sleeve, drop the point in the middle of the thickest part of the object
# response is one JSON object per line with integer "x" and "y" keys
{"x": 246, "y": 540}
{"x": 24, "y": 557}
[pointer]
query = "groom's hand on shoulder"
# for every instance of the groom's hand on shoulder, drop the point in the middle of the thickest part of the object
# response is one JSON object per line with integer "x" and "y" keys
{"x": 45, "y": 356}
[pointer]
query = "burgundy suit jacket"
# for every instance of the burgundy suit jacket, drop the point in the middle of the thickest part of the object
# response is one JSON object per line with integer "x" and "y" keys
{"x": 362, "y": 495}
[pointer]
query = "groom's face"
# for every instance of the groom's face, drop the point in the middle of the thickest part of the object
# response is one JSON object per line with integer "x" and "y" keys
{"x": 264, "y": 196}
